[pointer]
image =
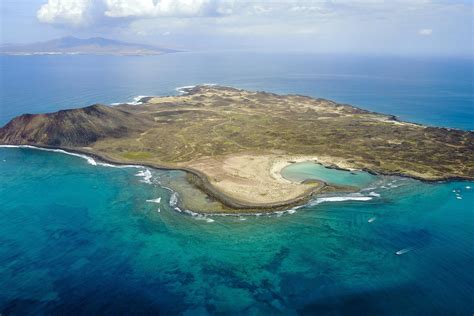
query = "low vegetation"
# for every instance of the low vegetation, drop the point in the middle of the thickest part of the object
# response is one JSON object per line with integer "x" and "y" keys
{"x": 212, "y": 122}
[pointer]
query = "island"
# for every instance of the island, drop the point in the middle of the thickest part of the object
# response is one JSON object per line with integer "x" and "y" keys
{"x": 70, "y": 45}
{"x": 233, "y": 143}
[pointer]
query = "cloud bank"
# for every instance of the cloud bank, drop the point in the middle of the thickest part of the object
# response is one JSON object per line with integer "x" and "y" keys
{"x": 170, "y": 8}
{"x": 71, "y": 12}
{"x": 331, "y": 25}
{"x": 79, "y": 12}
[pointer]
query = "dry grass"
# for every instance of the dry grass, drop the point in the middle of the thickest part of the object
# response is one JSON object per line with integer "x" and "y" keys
{"x": 210, "y": 129}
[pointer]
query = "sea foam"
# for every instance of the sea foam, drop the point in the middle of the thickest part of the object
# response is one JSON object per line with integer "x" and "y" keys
{"x": 89, "y": 159}
{"x": 182, "y": 90}
{"x": 136, "y": 101}
{"x": 198, "y": 216}
{"x": 158, "y": 200}
{"x": 340, "y": 199}
{"x": 174, "y": 199}
{"x": 146, "y": 175}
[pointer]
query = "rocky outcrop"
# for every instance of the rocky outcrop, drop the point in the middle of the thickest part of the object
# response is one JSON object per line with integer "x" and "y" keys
{"x": 75, "y": 127}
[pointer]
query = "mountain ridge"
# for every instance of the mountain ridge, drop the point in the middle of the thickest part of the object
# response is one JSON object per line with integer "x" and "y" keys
{"x": 83, "y": 46}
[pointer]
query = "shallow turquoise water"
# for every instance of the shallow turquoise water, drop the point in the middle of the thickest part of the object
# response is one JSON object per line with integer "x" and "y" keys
{"x": 81, "y": 239}
{"x": 309, "y": 170}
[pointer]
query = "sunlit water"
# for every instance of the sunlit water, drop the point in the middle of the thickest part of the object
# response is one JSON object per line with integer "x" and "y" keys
{"x": 437, "y": 91}
{"x": 84, "y": 238}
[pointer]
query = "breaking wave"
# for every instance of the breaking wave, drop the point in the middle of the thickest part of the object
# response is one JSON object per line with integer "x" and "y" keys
{"x": 174, "y": 200}
{"x": 158, "y": 200}
{"x": 89, "y": 159}
{"x": 183, "y": 89}
{"x": 136, "y": 101}
{"x": 146, "y": 175}
{"x": 364, "y": 195}
{"x": 340, "y": 199}
{"x": 199, "y": 217}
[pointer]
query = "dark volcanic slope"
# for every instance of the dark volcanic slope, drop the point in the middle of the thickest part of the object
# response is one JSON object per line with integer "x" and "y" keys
{"x": 76, "y": 127}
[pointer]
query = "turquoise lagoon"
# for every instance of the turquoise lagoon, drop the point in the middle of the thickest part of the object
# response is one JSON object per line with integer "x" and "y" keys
{"x": 309, "y": 170}
{"x": 80, "y": 237}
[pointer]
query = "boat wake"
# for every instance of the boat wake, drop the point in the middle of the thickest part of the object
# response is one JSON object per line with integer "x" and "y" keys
{"x": 372, "y": 219}
{"x": 402, "y": 251}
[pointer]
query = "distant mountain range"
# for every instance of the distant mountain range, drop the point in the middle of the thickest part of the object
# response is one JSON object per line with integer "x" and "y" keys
{"x": 91, "y": 46}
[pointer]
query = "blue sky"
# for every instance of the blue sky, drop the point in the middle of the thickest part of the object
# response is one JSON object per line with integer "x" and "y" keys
{"x": 400, "y": 27}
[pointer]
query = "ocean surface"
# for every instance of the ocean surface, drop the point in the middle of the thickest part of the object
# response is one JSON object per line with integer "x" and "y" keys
{"x": 80, "y": 237}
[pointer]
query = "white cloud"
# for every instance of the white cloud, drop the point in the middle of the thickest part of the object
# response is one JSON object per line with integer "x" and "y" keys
{"x": 374, "y": 26}
{"x": 79, "y": 12}
{"x": 170, "y": 8}
{"x": 125, "y": 8}
{"x": 64, "y": 11}
{"x": 425, "y": 32}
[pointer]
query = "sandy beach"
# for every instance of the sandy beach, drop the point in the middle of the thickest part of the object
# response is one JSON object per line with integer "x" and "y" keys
{"x": 255, "y": 178}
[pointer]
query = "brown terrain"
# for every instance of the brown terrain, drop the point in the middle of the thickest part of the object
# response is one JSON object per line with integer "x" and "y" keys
{"x": 233, "y": 143}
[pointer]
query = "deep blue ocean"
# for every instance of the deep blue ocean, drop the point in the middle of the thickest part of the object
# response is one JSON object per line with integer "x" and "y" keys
{"x": 81, "y": 238}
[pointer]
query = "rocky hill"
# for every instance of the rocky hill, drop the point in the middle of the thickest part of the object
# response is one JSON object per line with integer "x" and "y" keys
{"x": 75, "y": 127}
